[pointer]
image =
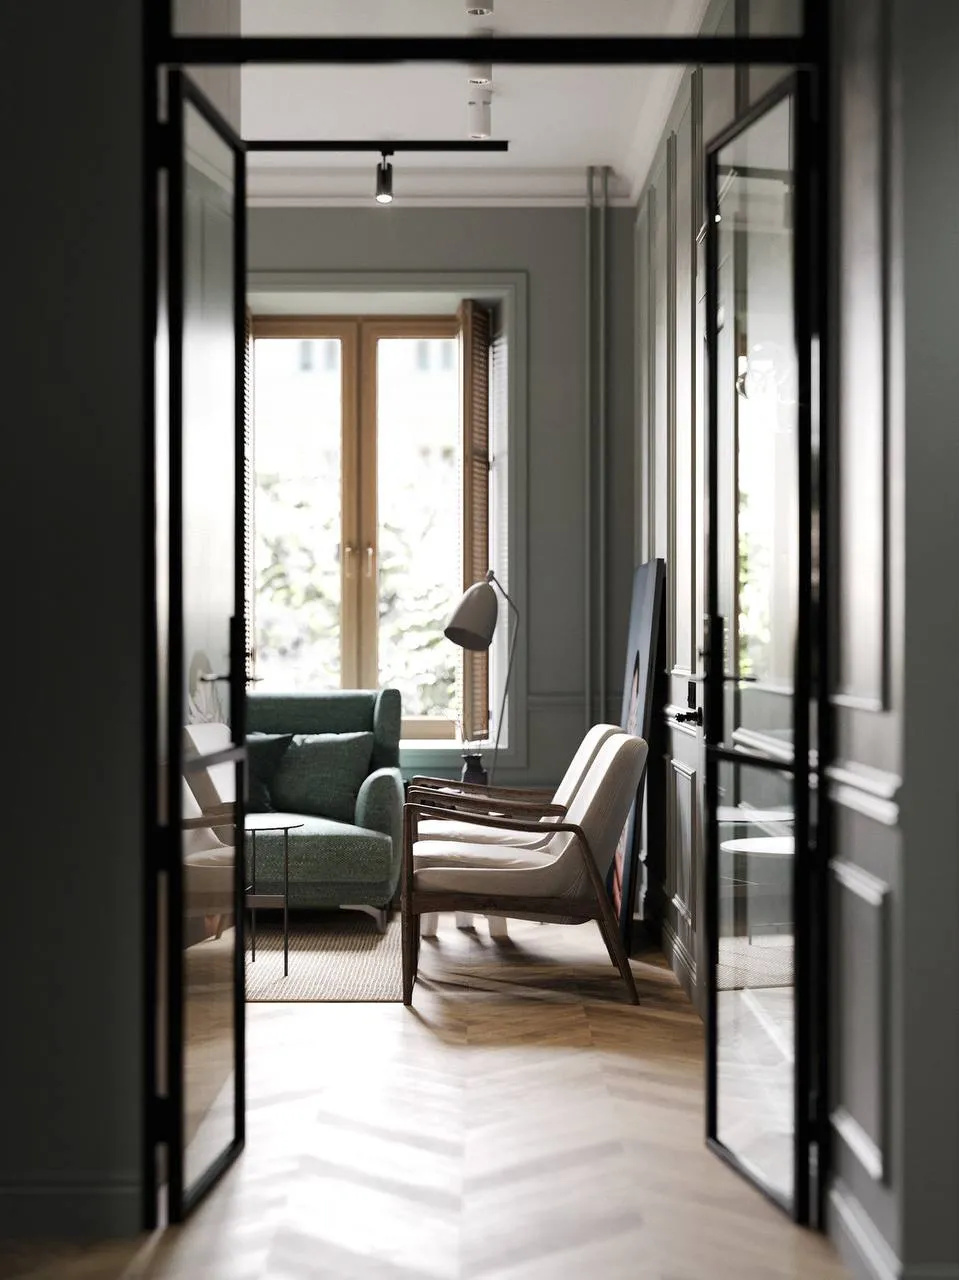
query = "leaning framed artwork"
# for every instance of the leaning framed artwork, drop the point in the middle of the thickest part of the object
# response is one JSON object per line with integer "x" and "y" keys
{"x": 639, "y": 682}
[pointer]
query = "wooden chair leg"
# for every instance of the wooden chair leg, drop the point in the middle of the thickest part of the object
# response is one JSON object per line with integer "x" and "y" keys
{"x": 617, "y": 953}
{"x": 409, "y": 960}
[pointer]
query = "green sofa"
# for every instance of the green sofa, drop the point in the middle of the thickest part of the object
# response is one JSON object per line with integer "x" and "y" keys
{"x": 335, "y": 863}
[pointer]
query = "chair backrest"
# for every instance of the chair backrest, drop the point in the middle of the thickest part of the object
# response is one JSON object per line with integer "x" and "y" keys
{"x": 215, "y": 786}
{"x": 340, "y": 711}
{"x": 196, "y": 839}
{"x": 565, "y": 793}
{"x": 601, "y": 808}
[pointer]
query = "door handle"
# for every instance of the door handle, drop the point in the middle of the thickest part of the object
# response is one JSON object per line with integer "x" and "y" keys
{"x": 209, "y": 678}
{"x": 689, "y": 717}
{"x": 369, "y": 560}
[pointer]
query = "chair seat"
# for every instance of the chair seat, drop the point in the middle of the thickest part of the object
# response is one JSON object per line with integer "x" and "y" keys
{"x": 458, "y": 867}
{"x": 444, "y": 829}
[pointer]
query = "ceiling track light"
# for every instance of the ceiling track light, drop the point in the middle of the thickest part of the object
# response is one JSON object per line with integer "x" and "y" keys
{"x": 479, "y": 113}
{"x": 481, "y": 73}
{"x": 384, "y": 181}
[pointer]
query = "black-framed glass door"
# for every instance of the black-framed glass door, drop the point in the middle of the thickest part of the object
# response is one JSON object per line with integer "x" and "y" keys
{"x": 201, "y": 1054}
{"x": 759, "y": 726}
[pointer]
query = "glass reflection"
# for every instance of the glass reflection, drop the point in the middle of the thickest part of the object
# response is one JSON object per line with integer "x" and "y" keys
{"x": 755, "y": 978}
{"x": 758, "y": 429}
{"x": 209, "y": 792}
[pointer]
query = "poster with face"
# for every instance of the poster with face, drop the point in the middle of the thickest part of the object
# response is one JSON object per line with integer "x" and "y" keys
{"x": 630, "y": 724}
{"x": 642, "y": 655}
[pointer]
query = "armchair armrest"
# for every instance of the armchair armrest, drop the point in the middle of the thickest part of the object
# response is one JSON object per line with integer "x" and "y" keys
{"x": 486, "y": 805}
{"x": 379, "y": 803}
{"x": 449, "y": 785}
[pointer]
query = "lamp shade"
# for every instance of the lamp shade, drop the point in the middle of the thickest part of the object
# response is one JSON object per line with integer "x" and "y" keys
{"x": 474, "y": 618}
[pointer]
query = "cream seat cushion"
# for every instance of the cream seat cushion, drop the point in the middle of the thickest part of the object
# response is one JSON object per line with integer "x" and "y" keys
{"x": 208, "y": 865}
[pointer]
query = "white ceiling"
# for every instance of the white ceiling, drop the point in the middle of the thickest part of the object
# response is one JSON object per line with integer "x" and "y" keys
{"x": 558, "y": 120}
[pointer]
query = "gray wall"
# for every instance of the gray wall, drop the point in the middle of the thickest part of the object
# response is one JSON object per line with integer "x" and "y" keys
{"x": 548, "y": 245}
{"x": 71, "y": 261}
{"x": 894, "y": 783}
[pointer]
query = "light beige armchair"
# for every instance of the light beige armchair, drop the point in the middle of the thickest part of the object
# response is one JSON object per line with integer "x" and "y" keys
{"x": 459, "y": 794}
{"x": 562, "y": 879}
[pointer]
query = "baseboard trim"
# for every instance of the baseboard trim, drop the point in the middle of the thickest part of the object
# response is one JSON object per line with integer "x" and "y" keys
{"x": 860, "y": 1245}
{"x": 680, "y": 961}
{"x": 76, "y": 1207}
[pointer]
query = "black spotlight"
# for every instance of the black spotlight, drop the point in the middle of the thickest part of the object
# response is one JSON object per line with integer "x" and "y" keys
{"x": 384, "y": 182}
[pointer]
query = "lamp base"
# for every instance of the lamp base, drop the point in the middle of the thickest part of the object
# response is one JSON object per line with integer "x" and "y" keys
{"x": 473, "y": 770}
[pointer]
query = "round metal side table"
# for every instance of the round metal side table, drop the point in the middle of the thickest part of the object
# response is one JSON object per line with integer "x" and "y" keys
{"x": 259, "y": 822}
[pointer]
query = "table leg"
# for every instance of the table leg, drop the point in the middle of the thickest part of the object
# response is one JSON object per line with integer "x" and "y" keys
{"x": 253, "y": 909}
{"x": 286, "y": 902}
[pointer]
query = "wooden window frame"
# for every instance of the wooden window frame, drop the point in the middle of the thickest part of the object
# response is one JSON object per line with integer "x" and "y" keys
{"x": 359, "y": 631}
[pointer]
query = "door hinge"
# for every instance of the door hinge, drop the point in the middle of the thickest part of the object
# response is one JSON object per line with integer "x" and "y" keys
{"x": 162, "y": 1118}
{"x": 163, "y": 142}
{"x": 814, "y": 1108}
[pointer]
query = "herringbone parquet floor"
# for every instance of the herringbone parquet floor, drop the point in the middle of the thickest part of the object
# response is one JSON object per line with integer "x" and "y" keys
{"x": 519, "y": 1123}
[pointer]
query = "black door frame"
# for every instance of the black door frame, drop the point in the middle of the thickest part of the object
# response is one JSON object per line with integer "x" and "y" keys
{"x": 165, "y": 882}
{"x": 809, "y": 903}
{"x": 808, "y": 51}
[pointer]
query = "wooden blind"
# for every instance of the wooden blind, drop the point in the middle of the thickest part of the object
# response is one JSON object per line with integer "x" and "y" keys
{"x": 475, "y": 346}
{"x": 249, "y": 505}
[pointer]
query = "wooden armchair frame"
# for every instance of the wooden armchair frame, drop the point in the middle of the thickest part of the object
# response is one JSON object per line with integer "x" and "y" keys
{"x": 415, "y": 903}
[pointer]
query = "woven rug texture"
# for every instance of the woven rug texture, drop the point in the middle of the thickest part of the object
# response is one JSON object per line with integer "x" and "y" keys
{"x": 763, "y": 962}
{"x": 340, "y": 955}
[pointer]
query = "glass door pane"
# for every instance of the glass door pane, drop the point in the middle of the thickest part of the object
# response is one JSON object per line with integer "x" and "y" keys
{"x": 755, "y": 973}
{"x": 419, "y": 569}
{"x": 757, "y": 724}
{"x": 299, "y": 560}
{"x": 757, "y": 437}
{"x": 205, "y": 670}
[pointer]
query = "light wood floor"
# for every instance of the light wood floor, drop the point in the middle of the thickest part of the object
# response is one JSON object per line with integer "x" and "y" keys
{"x": 519, "y": 1123}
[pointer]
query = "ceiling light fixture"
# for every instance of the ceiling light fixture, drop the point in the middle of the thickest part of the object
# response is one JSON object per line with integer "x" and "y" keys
{"x": 384, "y": 181}
{"x": 481, "y": 72}
{"x": 475, "y": 10}
{"x": 479, "y": 113}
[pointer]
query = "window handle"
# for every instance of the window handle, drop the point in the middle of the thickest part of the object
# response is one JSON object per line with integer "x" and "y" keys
{"x": 349, "y": 551}
{"x": 370, "y": 554}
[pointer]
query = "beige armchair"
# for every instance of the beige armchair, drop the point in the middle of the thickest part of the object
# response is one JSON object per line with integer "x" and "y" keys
{"x": 450, "y": 793}
{"x": 562, "y": 879}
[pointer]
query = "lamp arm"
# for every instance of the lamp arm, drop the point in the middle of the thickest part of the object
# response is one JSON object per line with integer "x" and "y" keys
{"x": 491, "y": 577}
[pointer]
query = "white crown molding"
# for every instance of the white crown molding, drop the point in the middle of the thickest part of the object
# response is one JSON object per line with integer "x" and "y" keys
{"x": 272, "y": 186}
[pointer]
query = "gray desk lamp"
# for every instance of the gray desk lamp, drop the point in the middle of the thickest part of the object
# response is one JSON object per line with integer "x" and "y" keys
{"x": 471, "y": 627}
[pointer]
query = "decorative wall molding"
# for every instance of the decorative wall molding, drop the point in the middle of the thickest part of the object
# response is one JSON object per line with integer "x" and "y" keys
{"x": 859, "y": 882}
{"x": 885, "y": 812}
{"x": 680, "y": 960}
{"x": 875, "y": 782}
{"x": 682, "y": 840}
{"x": 298, "y": 186}
{"x": 536, "y": 701}
{"x": 858, "y": 1141}
{"x": 862, "y": 1078}
{"x": 858, "y": 1240}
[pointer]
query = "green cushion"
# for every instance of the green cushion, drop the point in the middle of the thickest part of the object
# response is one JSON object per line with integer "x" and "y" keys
{"x": 323, "y": 852}
{"x": 321, "y": 773}
{"x": 264, "y": 751}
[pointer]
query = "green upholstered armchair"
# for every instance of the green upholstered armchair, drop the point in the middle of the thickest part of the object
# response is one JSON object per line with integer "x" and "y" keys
{"x": 337, "y": 863}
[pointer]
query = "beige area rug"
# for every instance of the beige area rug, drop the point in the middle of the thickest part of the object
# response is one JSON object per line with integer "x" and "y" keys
{"x": 339, "y": 955}
{"x": 764, "y": 962}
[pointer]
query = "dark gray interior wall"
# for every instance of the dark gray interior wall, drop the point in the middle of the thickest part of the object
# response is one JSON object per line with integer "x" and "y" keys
{"x": 71, "y": 261}
{"x": 547, "y": 244}
{"x": 925, "y": 45}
